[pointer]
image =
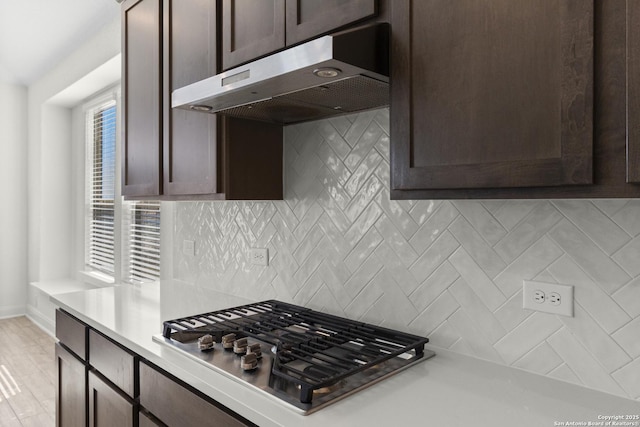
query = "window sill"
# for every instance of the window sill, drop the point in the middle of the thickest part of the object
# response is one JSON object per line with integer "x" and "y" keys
{"x": 96, "y": 278}
{"x": 62, "y": 286}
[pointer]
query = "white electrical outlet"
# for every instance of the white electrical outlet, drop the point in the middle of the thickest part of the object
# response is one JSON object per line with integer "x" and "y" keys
{"x": 189, "y": 247}
{"x": 548, "y": 297}
{"x": 259, "y": 256}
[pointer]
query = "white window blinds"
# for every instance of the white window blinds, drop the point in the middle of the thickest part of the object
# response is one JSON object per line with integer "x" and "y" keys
{"x": 122, "y": 237}
{"x": 142, "y": 226}
{"x": 101, "y": 155}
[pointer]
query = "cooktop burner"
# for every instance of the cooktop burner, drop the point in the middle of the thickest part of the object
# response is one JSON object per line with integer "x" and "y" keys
{"x": 303, "y": 357}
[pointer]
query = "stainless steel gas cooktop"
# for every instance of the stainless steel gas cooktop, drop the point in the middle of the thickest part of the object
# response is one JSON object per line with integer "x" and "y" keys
{"x": 305, "y": 358}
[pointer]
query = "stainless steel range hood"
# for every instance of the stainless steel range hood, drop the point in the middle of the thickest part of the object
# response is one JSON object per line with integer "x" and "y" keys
{"x": 335, "y": 74}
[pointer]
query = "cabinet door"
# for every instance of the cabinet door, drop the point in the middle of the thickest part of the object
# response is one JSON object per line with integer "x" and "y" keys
{"x": 107, "y": 407}
{"x": 145, "y": 420}
{"x": 491, "y": 94}
{"x": 71, "y": 390}
{"x": 251, "y": 29}
{"x": 633, "y": 88}
{"x": 307, "y": 19}
{"x": 190, "y": 139}
{"x": 141, "y": 74}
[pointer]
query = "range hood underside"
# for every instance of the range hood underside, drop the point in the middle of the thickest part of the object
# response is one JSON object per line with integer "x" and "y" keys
{"x": 340, "y": 97}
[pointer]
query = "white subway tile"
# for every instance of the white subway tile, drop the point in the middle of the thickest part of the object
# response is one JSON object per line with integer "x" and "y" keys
{"x": 526, "y": 336}
{"x": 589, "y": 295}
{"x": 589, "y": 256}
{"x": 595, "y": 224}
{"x": 484, "y": 223}
{"x": 477, "y": 279}
{"x": 477, "y": 310}
{"x": 594, "y": 339}
{"x": 629, "y": 338}
{"x": 541, "y": 359}
{"x": 586, "y": 368}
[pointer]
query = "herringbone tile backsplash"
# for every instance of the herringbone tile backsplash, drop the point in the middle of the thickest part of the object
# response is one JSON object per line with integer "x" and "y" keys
{"x": 449, "y": 270}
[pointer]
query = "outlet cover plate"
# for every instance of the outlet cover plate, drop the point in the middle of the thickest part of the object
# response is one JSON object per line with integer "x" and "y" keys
{"x": 259, "y": 256}
{"x": 564, "y": 308}
{"x": 189, "y": 247}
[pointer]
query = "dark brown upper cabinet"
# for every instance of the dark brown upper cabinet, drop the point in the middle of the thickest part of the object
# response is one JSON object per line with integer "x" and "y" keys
{"x": 173, "y": 154}
{"x": 142, "y": 101}
{"x": 189, "y": 139}
{"x": 492, "y": 94}
{"x": 633, "y": 91}
{"x": 251, "y": 29}
{"x": 309, "y": 18}
{"x": 495, "y": 99}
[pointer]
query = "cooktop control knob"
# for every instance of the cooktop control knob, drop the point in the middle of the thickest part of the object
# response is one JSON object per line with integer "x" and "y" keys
{"x": 205, "y": 342}
{"x": 255, "y": 349}
{"x": 240, "y": 346}
{"x": 228, "y": 340}
{"x": 248, "y": 362}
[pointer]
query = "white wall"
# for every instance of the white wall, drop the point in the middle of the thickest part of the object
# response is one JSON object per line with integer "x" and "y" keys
{"x": 52, "y": 175}
{"x": 55, "y": 195}
{"x": 13, "y": 194}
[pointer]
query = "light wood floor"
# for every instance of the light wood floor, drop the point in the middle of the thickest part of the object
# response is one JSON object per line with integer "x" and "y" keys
{"x": 27, "y": 375}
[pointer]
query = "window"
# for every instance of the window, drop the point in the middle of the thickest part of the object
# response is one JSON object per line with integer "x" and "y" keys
{"x": 139, "y": 242}
{"x": 142, "y": 261}
{"x": 101, "y": 160}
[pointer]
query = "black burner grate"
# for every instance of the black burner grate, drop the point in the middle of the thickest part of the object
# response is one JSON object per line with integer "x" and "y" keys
{"x": 314, "y": 350}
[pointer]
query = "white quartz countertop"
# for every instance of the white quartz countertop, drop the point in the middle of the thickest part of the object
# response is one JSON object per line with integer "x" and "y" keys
{"x": 447, "y": 390}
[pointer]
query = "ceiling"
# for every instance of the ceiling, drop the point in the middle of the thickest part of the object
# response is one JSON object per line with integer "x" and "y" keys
{"x": 37, "y": 34}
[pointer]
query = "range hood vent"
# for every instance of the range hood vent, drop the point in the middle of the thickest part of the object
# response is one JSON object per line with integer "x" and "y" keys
{"x": 335, "y": 74}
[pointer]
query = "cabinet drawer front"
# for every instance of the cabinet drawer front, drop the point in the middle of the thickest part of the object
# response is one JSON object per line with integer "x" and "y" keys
{"x": 107, "y": 408}
{"x": 113, "y": 361}
{"x": 175, "y": 405}
{"x": 72, "y": 333}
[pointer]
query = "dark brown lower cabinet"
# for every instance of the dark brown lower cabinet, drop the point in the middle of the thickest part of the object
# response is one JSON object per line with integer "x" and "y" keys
{"x": 72, "y": 333}
{"x": 115, "y": 388}
{"x": 114, "y": 362}
{"x": 176, "y": 405}
{"x": 107, "y": 406}
{"x": 71, "y": 390}
{"x": 146, "y": 420}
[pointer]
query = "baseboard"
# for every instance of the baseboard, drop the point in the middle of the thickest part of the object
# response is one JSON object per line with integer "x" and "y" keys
{"x": 15, "y": 311}
{"x": 42, "y": 321}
